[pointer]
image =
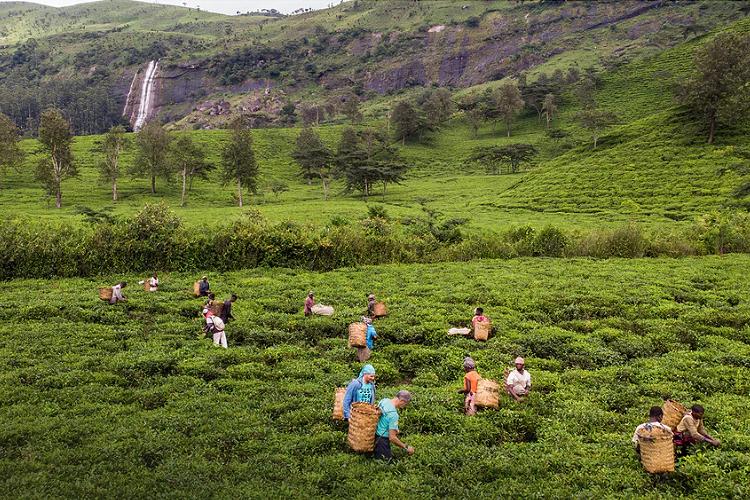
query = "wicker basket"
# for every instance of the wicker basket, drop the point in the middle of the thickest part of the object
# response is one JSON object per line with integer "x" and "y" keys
{"x": 482, "y": 330}
{"x": 338, "y": 403}
{"x": 216, "y": 307}
{"x": 357, "y": 335}
{"x": 488, "y": 394}
{"x": 146, "y": 286}
{"x": 673, "y": 413}
{"x": 363, "y": 421}
{"x": 379, "y": 310}
{"x": 197, "y": 288}
{"x": 105, "y": 293}
{"x": 657, "y": 453}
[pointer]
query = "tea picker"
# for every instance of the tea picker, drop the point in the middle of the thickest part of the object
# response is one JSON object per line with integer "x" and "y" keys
{"x": 471, "y": 380}
{"x": 114, "y": 294}
{"x": 360, "y": 390}
{"x": 690, "y": 430}
{"x": 653, "y": 443}
{"x": 387, "y": 430}
{"x": 518, "y": 383}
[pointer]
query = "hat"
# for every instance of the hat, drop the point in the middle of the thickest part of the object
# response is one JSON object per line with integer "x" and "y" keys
{"x": 310, "y": 292}
{"x": 367, "y": 370}
{"x": 371, "y": 296}
{"x": 366, "y": 320}
{"x": 404, "y": 396}
{"x": 204, "y": 278}
{"x": 519, "y": 361}
{"x": 469, "y": 363}
{"x": 205, "y": 311}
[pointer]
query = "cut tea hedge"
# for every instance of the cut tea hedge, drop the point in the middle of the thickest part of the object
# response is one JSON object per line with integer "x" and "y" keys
{"x": 130, "y": 401}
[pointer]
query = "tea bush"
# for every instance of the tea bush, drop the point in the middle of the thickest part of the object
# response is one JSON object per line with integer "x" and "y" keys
{"x": 132, "y": 400}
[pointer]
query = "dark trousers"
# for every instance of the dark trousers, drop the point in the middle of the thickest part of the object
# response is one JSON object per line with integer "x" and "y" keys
{"x": 383, "y": 448}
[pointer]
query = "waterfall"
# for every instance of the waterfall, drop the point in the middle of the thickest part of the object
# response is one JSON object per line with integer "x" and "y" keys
{"x": 145, "y": 103}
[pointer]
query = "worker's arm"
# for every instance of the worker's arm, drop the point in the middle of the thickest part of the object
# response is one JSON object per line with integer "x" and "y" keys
{"x": 466, "y": 389}
{"x": 393, "y": 438}
{"x": 706, "y": 436}
{"x": 347, "y": 404}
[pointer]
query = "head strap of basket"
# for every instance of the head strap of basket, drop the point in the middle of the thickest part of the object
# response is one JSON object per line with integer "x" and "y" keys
{"x": 673, "y": 413}
{"x": 358, "y": 335}
{"x": 657, "y": 452}
{"x": 363, "y": 422}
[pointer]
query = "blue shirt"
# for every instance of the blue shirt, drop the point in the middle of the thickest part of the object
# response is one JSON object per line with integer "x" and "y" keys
{"x": 357, "y": 392}
{"x": 388, "y": 420}
{"x": 371, "y": 336}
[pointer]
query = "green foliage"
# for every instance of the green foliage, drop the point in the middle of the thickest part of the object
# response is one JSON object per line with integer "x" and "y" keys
{"x": 57, "y": 164}
{"x": 137, "y": 391}
{"x": 494, "y": 157}
{"x": 718, "y": 91}
{"x": 238, "y": 159}
{"x": 314, "y": 158}
{"x": 113, "y": 146}
{"x": 11, "y": 155}
{"x": 151, "y": 159}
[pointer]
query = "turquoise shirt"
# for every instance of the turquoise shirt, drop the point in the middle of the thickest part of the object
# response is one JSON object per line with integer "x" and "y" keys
{"x": 365, "y": 394}
{"x": 388, "y": 418}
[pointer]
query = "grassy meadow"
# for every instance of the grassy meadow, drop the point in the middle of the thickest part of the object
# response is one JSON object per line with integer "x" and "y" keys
{"x": 130, "y": 400}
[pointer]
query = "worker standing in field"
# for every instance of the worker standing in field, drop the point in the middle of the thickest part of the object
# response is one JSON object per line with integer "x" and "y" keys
{"x": 220, "y": 338}
{"x": 117, "y": 295}
{"x": 226, "y": 310}
{"x": 690, "y": 430}
{"x": 203, "y": 287}
{"x": 208, "y": 315}
{"x": 371, "y": 305}
{"x": 518, "y": 383}
{"x": 471, "y": 382}
{"x": 153, "y": 283}
{"x": 309, "y": 303}
{"x": 387, "y": 430}
{"x": 360, "y": 390}
{"x": 655, "y": 415}
{"x": 363, "y": 353}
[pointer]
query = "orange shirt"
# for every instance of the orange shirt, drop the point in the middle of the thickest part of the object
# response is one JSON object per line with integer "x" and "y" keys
{"x": 473, "y": 378}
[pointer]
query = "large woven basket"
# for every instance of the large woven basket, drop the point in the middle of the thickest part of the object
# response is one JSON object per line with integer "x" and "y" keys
{"x": 673, "y": 413}
{"x": 197, "y": 288}
{"x": 146, "y": 286}
{"x": 363, "y": 421}
{"x": 216, "y": 307}
{"x": 357, "y": 335}
{"x": 657, "y": 453}
{"x": 488, "y": 394}
{"x": 338, "y": 403}
{"x": 482, "y": 330}
{"x": 379, "y": 310}
{"x": 105, "y": 293}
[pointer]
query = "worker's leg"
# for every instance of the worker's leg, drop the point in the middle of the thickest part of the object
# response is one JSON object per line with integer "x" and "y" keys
{"x": 383, "y": 448}
{"x": 223, "y": 339}
{"x": 469, "y": 407}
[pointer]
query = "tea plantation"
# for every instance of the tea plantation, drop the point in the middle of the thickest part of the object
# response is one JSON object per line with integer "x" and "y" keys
{"x": 131, "y": 401}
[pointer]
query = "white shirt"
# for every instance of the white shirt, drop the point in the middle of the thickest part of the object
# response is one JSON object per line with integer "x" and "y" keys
{"x": 648, "y": 425}
{"x": 153, "y": 282}
{"x": 117, "y": 292}
{"x": 519, "y": 380}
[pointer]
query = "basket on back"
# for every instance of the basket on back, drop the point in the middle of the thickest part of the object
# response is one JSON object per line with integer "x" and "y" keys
{"x": 357, "y": 335}
{"x": 379, "y": 310}
{"x": 146, "y": 286}
{"x": 105, "y": 293}
{"x": 488, "y": 394}
{"x": 657, "y": 449}
{"x": 673, "y": 413}
{"x": 338, "y": 403}
{"x": 216, "y": 307}
{"x": 482, "y": 330}
{"x": 363, "y": 422}
{"x": 197, "y": 288}
{"x": 322, "y": 310}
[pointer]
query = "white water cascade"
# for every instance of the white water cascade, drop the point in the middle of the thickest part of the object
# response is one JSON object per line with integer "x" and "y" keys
{"x": 145, "y": 103}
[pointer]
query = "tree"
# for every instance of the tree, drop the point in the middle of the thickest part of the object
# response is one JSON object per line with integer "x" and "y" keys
{"x": 534, "y": 95}
{"x": 289, "y": 113}
{"x": 189, "y": 160}
{"x": 277, "y": 187}
{"x": 585, "y": 90}
{"x": 57, "y": 165}
{"x": 493, "y": 157}
{"x": 438, "y": 107}
{"x": 508, "y": 103}
{"x": 350, "y": 108}
{"x": 549, "y": 107}
{"x": 238, "y": 158}
{"x": 718, "y": 92}
{"x": 404, "y": 121}
{"x": 314, "y": 158}
{"x": 596, "y": 121}
{"x": 113, "y": 146}
{"x": 473, "y": 110}
{"x": 11, "y": 155}
{"x": 152, "y": 143}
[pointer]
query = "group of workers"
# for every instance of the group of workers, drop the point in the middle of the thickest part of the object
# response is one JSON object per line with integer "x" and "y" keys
{"x": 688, "y": 432}
{"x": 215, "y": 324}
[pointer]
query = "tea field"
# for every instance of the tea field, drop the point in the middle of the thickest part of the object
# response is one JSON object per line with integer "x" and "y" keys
{"x": 131, "y": 401}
